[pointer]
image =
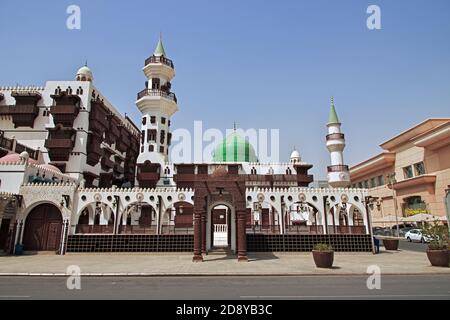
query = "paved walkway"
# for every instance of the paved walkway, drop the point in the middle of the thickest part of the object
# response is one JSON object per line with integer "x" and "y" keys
{"x": 401, "y": 262}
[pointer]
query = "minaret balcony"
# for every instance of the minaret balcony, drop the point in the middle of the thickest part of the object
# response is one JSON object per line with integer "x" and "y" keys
{"x": 338, "y": 168}
{"x": 160, "y": 59}
{"x": 335, "y": 136}
{"x": 157, "y": 93}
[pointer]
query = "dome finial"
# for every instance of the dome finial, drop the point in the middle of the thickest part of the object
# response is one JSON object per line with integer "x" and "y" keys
{"x": 85, "y": 63}
{"x": 234, "y": 126}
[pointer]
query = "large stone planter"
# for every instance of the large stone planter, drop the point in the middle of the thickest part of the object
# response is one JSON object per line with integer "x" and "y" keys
{"x": 391, "y": 244}
{"x": 323, "y": 259}
{"x": 439, "y": 258}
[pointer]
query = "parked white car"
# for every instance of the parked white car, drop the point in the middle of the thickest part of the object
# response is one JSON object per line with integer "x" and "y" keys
{"x": 415, "y": 235}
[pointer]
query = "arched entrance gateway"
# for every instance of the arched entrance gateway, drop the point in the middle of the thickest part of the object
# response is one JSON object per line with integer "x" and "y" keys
{"x": 221, "y": 227}
{"x": 43, "y": 227}
{"x": 220, "y": 214}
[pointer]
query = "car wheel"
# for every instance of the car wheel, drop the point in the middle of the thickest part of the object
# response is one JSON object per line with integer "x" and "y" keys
{"x": 409, "y": 239}
{"x": 422, "y": 240}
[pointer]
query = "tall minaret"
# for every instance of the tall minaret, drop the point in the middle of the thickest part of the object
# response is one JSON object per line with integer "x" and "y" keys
{"x": 157, "y": 104}
{"x": 338, "y": 173}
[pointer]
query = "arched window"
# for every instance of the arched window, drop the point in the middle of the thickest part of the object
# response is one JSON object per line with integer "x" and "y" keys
{"x": 97, "y": 219}
{"x": 357, "y": 218}
{"x": 343, "y": 219}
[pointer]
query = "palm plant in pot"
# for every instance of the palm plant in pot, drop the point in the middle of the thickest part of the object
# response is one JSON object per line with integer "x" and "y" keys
{"x": 323, "y": 255}
{"x": 437, "y": 237}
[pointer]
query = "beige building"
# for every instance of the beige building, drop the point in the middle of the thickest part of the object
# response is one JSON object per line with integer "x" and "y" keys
{"x": 413, "y": 169}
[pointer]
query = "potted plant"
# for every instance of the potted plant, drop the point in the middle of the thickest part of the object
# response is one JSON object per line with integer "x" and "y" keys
{"x": 436, "y": 234}
{"x": 391, "y": 243}
{"x": 323, "y": 255}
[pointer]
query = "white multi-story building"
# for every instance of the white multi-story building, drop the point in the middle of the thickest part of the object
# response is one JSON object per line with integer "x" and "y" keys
{"x": 71, "y": 126}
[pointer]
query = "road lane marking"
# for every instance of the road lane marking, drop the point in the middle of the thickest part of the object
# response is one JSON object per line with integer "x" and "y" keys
{"x": 349, "y": 297}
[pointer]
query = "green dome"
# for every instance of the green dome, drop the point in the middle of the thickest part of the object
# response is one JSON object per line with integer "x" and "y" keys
{"x": 234, "y": 149}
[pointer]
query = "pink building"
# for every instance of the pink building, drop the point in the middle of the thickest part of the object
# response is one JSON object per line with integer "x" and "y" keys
{"x": 413, "y": 169}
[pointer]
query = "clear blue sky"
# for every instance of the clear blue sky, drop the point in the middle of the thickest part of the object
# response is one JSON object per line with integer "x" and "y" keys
{"x": 263, "y": 64}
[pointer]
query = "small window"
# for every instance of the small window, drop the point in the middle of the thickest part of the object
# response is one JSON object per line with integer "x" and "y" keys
{"x": 161, "y": 149}
{"x": 366, "y": 184}
{"x": 156, "y": 84}
{"x": 142, "y": 136}
{"x": 151, "y": 148}
{"x": 380, "y": 180}
{"x": 408, "y": 172}
{"x": 152, "y": 119}
{"x": 151, "y": 135}
{"x": 373, "y": 183}
{"x": 163, "y": 120}
{"x": 144, "y": 121}
{"x": 420, "y": 169}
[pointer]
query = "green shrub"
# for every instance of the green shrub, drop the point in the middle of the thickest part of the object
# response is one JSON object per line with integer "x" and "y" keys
{"x": 323, "y": 247}
{"x": 437, "y": 234}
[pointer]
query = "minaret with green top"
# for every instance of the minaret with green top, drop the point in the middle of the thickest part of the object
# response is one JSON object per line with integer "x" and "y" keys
{"x": 338, "y": 172}
{"x": 157, "y": 104}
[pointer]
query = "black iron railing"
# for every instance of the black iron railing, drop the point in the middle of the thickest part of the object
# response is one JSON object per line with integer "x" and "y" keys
{"x": 338, "y": 168}
{"x": 334, "y": 136}
{"x": 157, "y": 93}
{"x": 161, "y": 59}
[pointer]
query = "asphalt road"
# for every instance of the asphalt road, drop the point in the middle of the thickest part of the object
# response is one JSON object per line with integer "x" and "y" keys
{"x": 413, "y": 246}
{"x": 228, "y": 288}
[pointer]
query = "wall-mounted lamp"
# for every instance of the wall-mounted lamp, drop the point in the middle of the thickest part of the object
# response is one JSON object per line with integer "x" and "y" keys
{"x": 65, "y": 201}
{"x": 19, "y": 199}
{"x": 116, "y": 201}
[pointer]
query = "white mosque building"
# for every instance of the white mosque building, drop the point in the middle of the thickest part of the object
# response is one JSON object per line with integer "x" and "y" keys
{"x": 77, "y": 176}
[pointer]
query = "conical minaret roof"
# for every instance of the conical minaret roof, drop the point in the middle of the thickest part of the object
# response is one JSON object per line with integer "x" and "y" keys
{"x": 159, "y": 51}
{"x": 333, "y": 118}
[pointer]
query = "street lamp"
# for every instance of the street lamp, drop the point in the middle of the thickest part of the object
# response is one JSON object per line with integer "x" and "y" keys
{"x": 447, "y": 206}
{"x": 393, "y": 181}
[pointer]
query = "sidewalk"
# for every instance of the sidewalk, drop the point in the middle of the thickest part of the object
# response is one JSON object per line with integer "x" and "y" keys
{"x": 276, "y": 264}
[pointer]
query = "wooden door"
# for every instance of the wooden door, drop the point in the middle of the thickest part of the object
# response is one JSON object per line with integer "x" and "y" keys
{"x": 43, "y": 228}
{"x": 4, "y": 230}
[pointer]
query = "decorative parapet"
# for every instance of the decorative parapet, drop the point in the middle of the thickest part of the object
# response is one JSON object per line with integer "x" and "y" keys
{"x": 13, "y": 163}
{"x": 49, "y": 184}
{"x": 308, "y": 190}
{"x": 23, "y": 89}
{"x": 137, "y": 190}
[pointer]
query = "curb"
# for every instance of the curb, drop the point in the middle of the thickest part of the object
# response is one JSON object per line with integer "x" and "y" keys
{"x": 205, "y": 275}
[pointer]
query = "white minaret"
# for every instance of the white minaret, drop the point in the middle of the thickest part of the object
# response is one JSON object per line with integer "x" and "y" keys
{"x": 338, "y": 173}
{"x": 157, "y": 105}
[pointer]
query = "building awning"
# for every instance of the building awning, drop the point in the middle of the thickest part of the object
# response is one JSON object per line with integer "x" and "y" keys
{"x": 423, "y": 180}
{"x": 424, "y": 217}
{"x": 387, "y": 219}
